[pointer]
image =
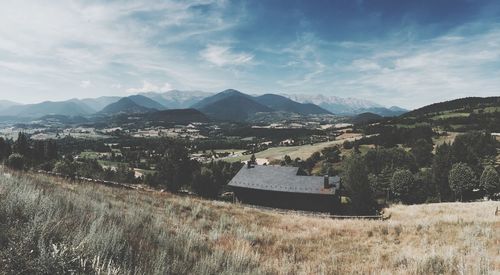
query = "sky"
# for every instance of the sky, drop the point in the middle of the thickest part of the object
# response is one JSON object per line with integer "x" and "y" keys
{"x": 403, "y": 53}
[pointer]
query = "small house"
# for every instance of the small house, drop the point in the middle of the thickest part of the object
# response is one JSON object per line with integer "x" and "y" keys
{"x": 281, "y": 187}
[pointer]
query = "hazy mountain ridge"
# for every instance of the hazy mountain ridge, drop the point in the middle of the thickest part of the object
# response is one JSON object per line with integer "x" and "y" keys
{"x": 125, "y": 105}
{"x": 346, "y": 106}
{"x": 67, "y": 108}
{"x": 281, "y": 103}
{"x": 146, "y": 102}
{"x": 295, "y": 103}
{"x": 97, "y": 104}
{"x": 176, "y": 99}
{"x": 7, "y": 103}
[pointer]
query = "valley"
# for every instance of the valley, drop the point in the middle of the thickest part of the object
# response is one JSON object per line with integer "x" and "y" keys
{"x": 223, "y": 137}
{"x": 179, "y": 165}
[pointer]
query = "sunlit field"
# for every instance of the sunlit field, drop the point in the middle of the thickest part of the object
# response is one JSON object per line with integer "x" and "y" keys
{"x": 50, "y": 225}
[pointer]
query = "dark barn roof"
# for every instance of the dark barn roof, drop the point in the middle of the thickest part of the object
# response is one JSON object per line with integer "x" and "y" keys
{"x": 282, "y": 179}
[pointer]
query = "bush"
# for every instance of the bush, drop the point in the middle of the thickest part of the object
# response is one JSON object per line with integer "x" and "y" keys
{"x": 65, "y": 167}
{"x": 16, "y": 161}
{"x": 348, "y": 145}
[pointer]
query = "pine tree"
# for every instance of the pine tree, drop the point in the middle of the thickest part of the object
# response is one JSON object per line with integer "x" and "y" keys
{"x": 441, "y": 167}
{"x": 461, "y": 179}
{"x": 253, "y": 160}
{"x": 355, "y": 180}
{"x": 21, "y": 146}
{"x": 422, "y": 151}
{"x": 402, "y": 184}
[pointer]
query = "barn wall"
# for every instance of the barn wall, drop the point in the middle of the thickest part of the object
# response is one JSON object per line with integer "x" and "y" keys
{"x": 287, "y": 200}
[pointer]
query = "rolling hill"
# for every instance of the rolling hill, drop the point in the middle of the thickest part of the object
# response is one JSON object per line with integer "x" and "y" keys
{"x": 66, "y": 108}
{"x": 125, "y": 105}
{"x": 393, "y": 111}
{"x": 457, "y": 105}
{"x": 459, "y": 115}
{"x": 366, "y": 118}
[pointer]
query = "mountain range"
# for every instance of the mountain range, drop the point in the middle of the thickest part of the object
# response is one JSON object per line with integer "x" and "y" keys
{"x": 132, "y": 105}
{"x": 346, "y": 106}
{"x": 227, "y": 105}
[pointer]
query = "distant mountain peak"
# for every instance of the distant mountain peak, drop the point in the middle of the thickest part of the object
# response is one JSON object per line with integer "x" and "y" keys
{"x": 125, "y": 105}
{"x": 231, "y": 91}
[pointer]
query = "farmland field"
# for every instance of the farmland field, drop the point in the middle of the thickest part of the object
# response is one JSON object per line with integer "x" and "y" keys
{"x": 302, "y": 151}
{"x": 450, "y": 115}
{"x": 53, "y": 226}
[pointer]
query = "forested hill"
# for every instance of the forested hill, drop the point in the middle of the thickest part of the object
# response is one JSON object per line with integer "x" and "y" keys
{"x": 459, "y": 115}
{"x": 466, "y": 103}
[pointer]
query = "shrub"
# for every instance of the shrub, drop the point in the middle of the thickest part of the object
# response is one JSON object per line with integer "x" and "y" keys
{"x": 16, "y": 161}
{"x": 88, "y": 230}
{"x": 65, "y": 167}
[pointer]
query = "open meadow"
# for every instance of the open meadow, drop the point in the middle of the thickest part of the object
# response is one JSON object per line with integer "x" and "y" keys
{"x": 53, "y": 226}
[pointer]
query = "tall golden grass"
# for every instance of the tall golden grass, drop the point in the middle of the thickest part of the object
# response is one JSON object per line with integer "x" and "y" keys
{"x": 50, "y": 225}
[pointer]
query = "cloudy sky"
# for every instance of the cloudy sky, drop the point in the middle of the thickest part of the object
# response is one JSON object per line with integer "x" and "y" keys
{"x": 405, "y": 53}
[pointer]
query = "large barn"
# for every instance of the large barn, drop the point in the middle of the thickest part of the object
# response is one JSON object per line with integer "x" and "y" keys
{"x": 281, "y": 187}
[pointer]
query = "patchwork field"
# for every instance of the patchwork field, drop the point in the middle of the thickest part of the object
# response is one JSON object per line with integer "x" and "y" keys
{"x": 53, "y": 226}
{"x": 302, "y": 151}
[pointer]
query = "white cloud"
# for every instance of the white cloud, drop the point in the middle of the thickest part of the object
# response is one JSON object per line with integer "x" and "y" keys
{"x": 439, "y": 69}
{"x": 57, "y": 43}
{"x": 224, "y": 56}
{"x": 304, "y": 54}
{"x": 150, "y": 87}
{"x": 365, "y": 65}
{"x": 85, "y": 84}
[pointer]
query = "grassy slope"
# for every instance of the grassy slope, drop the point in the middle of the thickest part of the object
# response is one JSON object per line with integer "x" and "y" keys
{"x": 50, "y": 225}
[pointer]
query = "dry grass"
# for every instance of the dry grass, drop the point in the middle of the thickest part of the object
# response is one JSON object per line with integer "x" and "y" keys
{"x": 158, "y": 233}
{"x": 450, "y": 138}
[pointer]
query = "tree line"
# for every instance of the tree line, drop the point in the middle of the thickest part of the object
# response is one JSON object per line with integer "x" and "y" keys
{"x": 463, "y": 170}
{"x": 174, "y": 170}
